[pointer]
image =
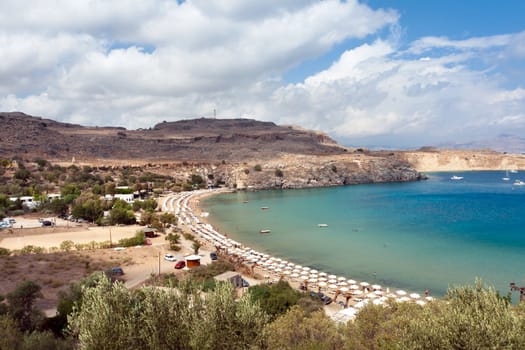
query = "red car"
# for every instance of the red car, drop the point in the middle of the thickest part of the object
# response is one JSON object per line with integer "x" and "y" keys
{"x": 180, "y": 264}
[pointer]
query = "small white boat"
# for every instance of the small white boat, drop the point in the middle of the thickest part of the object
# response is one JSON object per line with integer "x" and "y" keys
{"x": 322, "y": 225}
{"x": 506, "y": 178}
{"x": 514, "y": 171}
{"x": 519, "y": 183}
{"x": 456, "y": 177}
{"x": 265, "y": 208}
{"x": 265, "y": 231}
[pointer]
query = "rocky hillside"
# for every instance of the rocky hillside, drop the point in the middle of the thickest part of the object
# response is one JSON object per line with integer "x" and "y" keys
{"x": 198, "y": 139}
{"x": 240, "y": 153}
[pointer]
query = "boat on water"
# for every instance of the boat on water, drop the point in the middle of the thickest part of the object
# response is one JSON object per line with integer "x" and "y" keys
{"x": 456, "y": 177}
{"x": 506, "y": 178}
{"x": 322, "y": 225}
{"x": 265, "y": 231}
{"x": 519, "y": 183}
{"x": 265, "y": 208}
{"x": 514, "y": 171}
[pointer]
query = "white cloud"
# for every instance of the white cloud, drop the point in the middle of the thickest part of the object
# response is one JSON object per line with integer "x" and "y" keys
{"x": 134, "y": 63}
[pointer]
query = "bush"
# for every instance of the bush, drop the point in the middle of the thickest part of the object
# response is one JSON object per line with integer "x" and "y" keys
{"x": 4, "y": 251}
{"x": 257, "y": 167}
{"x": 138, "y": 239}
{"x": 67, "y": 245}
{"x": 279, "y": 173}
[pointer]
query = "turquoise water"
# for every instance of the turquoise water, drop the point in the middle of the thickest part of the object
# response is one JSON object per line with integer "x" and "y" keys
{"x": 415, "y": 236}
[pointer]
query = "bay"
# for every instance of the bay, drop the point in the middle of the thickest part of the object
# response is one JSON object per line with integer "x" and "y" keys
{"x": 420, "y": 235}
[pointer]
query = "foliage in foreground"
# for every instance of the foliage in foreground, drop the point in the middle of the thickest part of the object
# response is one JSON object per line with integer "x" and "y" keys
{"x": 113, "y": 317}
{"x": 106, "y": 315}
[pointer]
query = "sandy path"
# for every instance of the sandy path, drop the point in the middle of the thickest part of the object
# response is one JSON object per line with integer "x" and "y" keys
{"x": 53, "y": 239}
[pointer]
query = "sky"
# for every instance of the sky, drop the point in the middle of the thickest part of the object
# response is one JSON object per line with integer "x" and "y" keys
{"x": 387, "y": 73}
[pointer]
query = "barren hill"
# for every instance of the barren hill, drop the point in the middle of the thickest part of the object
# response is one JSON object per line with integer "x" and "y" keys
{"x": 197, "y": 140}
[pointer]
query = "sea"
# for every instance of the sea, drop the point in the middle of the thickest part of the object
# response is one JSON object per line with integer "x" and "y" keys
{"x": 425, "y": 235}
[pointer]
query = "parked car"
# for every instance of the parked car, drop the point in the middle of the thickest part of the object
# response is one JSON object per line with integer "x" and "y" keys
{"x": 47, "y": 223}
{"x": 213, "y": 256}
{"x": 180, "y": 264}
{"x": 170, "y": 257}
{"x": 117, "y": 271}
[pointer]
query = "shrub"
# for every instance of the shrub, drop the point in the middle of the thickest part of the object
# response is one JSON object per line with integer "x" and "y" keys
{"x": 4, "y": 251}
{"x": 257, "y": 167}
{"x": 279, "y": 173}
{"x": 138, "y": 239}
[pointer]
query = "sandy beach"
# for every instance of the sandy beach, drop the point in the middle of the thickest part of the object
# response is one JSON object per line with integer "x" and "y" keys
{"x": 348, "y": 295}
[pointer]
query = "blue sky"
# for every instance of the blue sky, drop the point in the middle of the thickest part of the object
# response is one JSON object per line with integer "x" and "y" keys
{"x": 376, "y": 72}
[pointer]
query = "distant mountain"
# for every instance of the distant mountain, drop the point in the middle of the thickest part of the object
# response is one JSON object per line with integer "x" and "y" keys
{"x": 197, "y": 139}
{"x": 502, "y": 143}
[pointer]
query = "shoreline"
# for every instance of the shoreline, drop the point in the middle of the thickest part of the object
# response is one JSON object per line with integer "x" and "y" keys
{"x": 269, "y": 269}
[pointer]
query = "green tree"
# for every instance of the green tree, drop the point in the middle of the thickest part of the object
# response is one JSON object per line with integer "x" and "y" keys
{"x": 88, "y": 208}
{"x": 10, "y": 335}
{"x": 121, "y": 213}
{"x": 196, "y": 246}
{"x": 297, "y": 330}
{"x": 58, "y": 206}
{"x": 167, "y": 219}
{"x": 276, "y": 299}
{"x": 257, "y": 167}
{"x": 279, "y": 173}
{"x": 22, "y": 174}
{"x": 114, "y": 317}
{"x": 21, "y": 305}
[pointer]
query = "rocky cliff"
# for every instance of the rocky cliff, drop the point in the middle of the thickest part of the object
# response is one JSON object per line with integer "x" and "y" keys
{"x": 462, "y": 160}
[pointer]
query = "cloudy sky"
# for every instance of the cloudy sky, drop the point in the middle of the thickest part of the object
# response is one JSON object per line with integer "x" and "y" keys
{"x": 378, "y": 72}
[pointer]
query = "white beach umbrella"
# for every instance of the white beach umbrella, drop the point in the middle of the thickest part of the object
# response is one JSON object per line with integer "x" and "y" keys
{"x": 420, "y": 302}
{"x": 415, "y": 296}
{"x": 322, "y": 279}
{"x": 341, "y": 278}
{"x": 304, "y": 273}
{"x": 332, "y": 281}
{"x": 322, "y": 284}
{"x": 323, "y": 274}
{"x": 351, "y": 281}
{"x": 314, "y": 271}
{"x": 364, "y": 284}
{"x": 306, "y": 268}
{"x": 376, "y": 287}
{"x": 429, "y": 298}
{"x": 354, "y": 287}
{"x": 342, "y": 283}
{"x": 287, "y": 272}
{"x": 359, "y": 305}
{"x": 401, "y": 292}
{"x": 270, "y": 267}
{"x": 304, "y": 278}
{"x": 294, "y": 275}
{"x": 289, "y": 268}
{"x": 332, "y": 277}
{"x": 299, "y": 267}
{"x": 344, "y": 289}
{"x": 377, "y": 302}
{"x": 378, "y": 292}
{"x": 278, "y": 269}
{"x": 357, "y": 292}
{"x": 403, "y": 299}
{"x": 284, "y": 262}
{"x": 332, "y": 286}
{"x": 291, "y": 264}
{"x": 312, "y": 280}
